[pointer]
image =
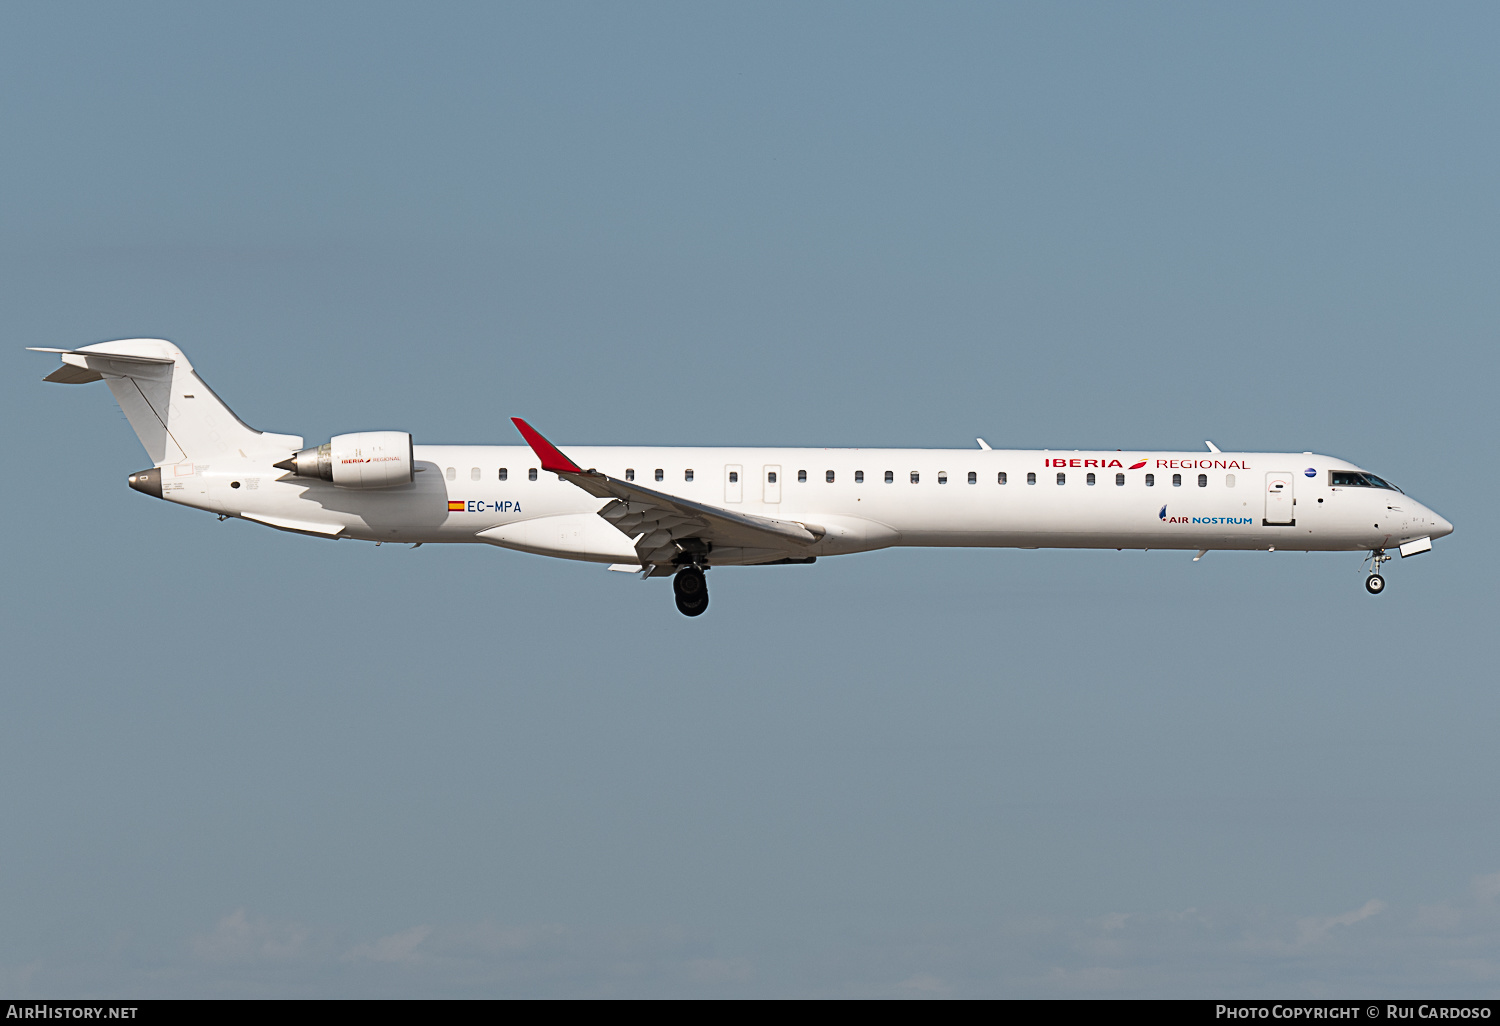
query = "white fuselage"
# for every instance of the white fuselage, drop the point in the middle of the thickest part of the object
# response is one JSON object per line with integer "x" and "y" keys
{"x": 678, "y": 511}
{"x": 863, "y": 499}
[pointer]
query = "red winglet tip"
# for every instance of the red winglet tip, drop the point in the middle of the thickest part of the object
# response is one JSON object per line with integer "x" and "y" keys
{"x": 553, "y": 461}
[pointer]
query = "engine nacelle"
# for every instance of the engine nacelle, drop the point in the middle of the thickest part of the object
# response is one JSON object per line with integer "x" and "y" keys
{"x": 364, "y": 459}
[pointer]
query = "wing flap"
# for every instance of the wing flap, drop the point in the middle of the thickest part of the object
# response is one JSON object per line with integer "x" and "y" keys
{"x": 688, "y": 512}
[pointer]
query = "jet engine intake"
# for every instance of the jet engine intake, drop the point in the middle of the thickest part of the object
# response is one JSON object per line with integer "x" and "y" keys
{"x": 363, "y": 459}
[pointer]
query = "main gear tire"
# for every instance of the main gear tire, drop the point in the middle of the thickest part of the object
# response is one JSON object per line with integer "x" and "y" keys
{"x": 691, "y": 589}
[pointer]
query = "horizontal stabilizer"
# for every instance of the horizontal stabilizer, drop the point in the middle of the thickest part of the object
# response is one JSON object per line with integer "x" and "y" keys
{"x": 81, "y": 366}
{"x": 66, "y": 375}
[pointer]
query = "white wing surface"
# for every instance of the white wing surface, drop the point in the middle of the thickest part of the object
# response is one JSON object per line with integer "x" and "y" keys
{"x": 667, "y": 529}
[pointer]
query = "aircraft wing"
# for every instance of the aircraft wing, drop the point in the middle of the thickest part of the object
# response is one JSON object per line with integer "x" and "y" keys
{"x": 665, "y": 526}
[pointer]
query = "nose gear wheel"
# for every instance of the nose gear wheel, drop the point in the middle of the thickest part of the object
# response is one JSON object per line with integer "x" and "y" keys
{"x": 1375, "y": 583}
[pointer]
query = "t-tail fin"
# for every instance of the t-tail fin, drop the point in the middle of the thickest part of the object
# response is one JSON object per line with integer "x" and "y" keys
{"x": 177, "y": 417}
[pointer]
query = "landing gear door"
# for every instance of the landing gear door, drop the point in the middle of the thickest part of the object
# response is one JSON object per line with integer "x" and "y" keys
{"x": 734, "y": 484}
{"x": 1280, "y": 498}
{"x": 771, "y": 479}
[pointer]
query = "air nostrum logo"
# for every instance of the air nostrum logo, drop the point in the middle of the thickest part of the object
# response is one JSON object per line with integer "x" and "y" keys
{"x": 1203, "y": 520}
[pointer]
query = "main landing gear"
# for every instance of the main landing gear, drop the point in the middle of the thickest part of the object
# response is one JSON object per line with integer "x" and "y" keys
{"x": 691, "y": 589}
{"x": 1375, "y": 584}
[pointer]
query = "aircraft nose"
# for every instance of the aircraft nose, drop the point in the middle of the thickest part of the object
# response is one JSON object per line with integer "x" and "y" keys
{"x": 1440, "y": 527}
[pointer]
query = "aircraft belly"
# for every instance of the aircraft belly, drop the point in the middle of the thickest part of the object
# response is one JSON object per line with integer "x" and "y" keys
{"x": 846, "y": 534}
{"x": 584, "y": 536}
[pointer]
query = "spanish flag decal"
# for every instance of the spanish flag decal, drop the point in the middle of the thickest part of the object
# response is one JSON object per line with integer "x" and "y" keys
{"x": 455, "y": 505}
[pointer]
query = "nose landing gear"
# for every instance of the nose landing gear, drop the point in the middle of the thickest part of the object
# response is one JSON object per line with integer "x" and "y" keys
{"x": 1375, "y": 584}
{"x": 691, "y": 589}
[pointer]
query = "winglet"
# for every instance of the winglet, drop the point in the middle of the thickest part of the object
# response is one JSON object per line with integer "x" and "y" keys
{"x": 553, "y": 461}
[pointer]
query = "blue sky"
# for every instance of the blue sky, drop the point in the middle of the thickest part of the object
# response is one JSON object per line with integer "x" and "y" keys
{"x": 243, "y": 763}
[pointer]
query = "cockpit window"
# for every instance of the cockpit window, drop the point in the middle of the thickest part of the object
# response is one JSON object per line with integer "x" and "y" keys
{"x": 1357, "y": 479}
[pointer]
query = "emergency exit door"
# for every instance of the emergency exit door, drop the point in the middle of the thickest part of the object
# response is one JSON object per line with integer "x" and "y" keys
{"x": 734, "y": 484}
{"x": 771, "y": 478}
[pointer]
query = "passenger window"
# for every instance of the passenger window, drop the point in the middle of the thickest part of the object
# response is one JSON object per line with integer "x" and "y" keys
{"x": 659, "y": 475}
{"x": 771, "y": 477}
{"x": 1000, "y": 478}
{"x": 687, "y": 475}
{"x": 1229, "y": 481}
{"x": 1176, "y": 480}
{"x": 629, "y": 474}
{"x": 802, "y": 477}
{"x": 942, "y": 477}
{"x": 452, "y": 473}
{"x": 973, "y": 477}
{"x": 1150, "y": 480}
{"x": 733, "y": 477}
{"x": 828, "y": 477}
{"x": 1031, "y": 478}
{"x": 531, "y": 474}
{"x": 1062, "y": 479}
{"x": 504, "y": 473}
{"x": 1202, "y": 480}
{"x": 1120, "y": 480}
{"x": 915, "y": 477}
{"x": 473, "y": 473}
{"x": 890, "y": 476}
{"x": 1090, "y": 478}
{"x": 859, "y": 477}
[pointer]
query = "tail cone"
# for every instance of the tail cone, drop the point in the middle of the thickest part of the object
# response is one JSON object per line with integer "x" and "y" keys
{"x": 148, "y": 481}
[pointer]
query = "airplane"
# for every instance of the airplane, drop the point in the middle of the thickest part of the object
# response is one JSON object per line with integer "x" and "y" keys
{"x": 679, "y": 512}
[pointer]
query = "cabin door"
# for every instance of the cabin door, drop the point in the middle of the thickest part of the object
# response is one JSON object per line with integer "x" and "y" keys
{"x": 1279, "y": 497}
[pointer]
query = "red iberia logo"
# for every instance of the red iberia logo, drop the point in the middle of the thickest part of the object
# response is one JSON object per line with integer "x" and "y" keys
{"x": 1102, "y": 464}
{"x": 1138, "y": 466}
{"x": 455, "y": 506}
